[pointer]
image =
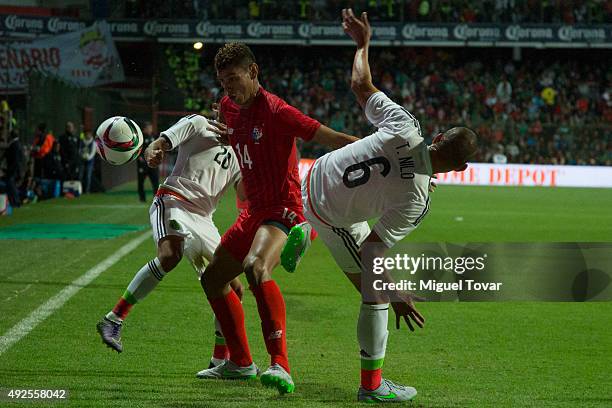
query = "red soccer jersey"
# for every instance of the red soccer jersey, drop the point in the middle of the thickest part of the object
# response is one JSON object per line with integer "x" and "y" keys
{"x": 263, "y": 138}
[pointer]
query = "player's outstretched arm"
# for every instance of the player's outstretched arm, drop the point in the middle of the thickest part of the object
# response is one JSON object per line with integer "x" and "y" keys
{"x": 331, "y": 138}
{"x": 360, "y": 31}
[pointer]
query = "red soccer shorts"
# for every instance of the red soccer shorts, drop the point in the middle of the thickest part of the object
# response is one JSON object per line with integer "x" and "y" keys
{"x": 239, "y": 237}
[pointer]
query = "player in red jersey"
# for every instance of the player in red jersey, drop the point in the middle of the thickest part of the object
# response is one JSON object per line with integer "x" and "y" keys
{"x": 261, "y": 129}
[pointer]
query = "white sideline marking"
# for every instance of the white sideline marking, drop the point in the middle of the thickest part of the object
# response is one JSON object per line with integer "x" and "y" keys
{"x": 25, "y": 326}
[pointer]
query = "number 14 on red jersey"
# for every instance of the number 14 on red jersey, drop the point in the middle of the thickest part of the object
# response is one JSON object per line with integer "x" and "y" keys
{"x": 243, "y": 157}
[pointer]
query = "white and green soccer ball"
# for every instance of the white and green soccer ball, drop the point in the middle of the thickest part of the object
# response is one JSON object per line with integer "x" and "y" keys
{"x": 118, "y": 140}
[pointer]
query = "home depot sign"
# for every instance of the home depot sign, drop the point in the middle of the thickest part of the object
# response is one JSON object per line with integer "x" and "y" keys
{"x": 486, "y": 174}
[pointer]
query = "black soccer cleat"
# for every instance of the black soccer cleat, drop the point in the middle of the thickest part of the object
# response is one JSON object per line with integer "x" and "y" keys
{"x": 110, "y": 333}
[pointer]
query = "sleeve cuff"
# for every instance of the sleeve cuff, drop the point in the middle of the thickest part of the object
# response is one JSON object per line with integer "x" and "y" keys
{"x": 163, "y": 136}
{"x": 167, "y": 135}
{"x": 315, "y": 127}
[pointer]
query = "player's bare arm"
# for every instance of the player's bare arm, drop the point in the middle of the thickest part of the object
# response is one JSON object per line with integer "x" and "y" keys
{"x": 403, "y": 306}
{"x": 154, "y": 154}
{"x": 331, "y": 138}
{"x": 360, "y": 31}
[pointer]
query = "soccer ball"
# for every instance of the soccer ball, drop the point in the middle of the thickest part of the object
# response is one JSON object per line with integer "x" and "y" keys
{"x": 118, "y": 140}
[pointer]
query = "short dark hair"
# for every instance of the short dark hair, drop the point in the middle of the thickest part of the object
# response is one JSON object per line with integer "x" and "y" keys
{"x": 458, "y": 145}
{"x": 42, "y": 127}
{"x": 234, "y": 54}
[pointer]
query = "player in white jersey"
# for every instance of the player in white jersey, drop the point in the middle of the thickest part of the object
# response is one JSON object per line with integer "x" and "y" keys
{"x": 181, "y": 217}
{"x": 385, "y": 175}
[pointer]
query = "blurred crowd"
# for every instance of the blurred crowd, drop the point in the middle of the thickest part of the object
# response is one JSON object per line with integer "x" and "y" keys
{"x": 446, "y": 11}
{"x": 540, "y": 110}
{"x": 49, "y": 167}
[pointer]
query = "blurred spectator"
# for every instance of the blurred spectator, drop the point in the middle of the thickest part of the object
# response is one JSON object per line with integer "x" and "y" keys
{"x": 53, "y": 168}
{"x": 500, "y": 157}
{"x": 42, "y": 146}
{"x": 253, "y": 10}
{"x": 88, "y": 157}
{"x": 69, "y": 149}
{"x": 504, "y": 91}
{"x": 144, "y": 170}
{"x": 424, "y": 11}
{"x": 15, "y": 168}
{"x": 30, "y": 190}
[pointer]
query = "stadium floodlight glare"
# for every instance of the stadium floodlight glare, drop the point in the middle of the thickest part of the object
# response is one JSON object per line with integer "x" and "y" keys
{"x": 198, "y": 45}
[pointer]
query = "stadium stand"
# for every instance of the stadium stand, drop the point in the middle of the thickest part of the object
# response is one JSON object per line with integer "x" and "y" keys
{"x": 496, "y": 11}
{"x": 554, "y": 110}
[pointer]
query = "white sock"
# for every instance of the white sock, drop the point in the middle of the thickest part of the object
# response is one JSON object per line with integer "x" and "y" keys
{"x": 372, "y": 331}
{"x": 146, "y": 279}
{"x": 141, "y": 285}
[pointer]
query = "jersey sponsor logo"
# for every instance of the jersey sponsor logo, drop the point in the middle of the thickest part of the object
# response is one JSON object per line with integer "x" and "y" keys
{"x": 256, "y": 134}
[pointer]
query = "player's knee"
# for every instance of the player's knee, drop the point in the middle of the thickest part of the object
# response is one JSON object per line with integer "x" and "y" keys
{"x": 170, "y": 253}
{"x": 170, "y": 260}
{"x": 255, "y": 270}
{"x": 211, "y": 282}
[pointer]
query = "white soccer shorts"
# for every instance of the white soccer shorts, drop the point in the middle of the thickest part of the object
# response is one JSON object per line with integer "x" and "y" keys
{"x": 342, "y": 242}
{"x": 172, "y": 216}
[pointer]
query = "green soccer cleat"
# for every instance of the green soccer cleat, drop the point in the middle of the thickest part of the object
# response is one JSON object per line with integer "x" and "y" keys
{"x": 277, "y": 377}
{"x": 229, "y": 370}
{"x": 297, "y": 243}
{"x": 387, "y": 392}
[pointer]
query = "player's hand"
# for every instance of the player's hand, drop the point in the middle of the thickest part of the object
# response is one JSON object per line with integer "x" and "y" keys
{"x": 215, "y": 109}
{"x": 237, "y": 287}
{"x": 220, "y": 129}
{"x": 153, "y": 156}
{"x": 404, "y": 308}
{"x": 215, "y": 116}
{"x": 432, "y": 183}
{"x": 357, "y": 28}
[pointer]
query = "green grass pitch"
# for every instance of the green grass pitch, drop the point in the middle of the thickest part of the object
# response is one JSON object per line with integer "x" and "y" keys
{"x": 468, "y": 355}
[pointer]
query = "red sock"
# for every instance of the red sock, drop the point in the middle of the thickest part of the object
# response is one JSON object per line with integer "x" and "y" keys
{"x": 122, "y": 308}
{"x": 228, "y": 310}
{"x": 271, "y": 306}
{"x": 371, "y": 379}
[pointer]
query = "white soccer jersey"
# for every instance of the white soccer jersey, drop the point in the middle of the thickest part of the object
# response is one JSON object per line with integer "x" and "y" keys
{"x": 385, "y": 175}
{"x": 204, "y": 167}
